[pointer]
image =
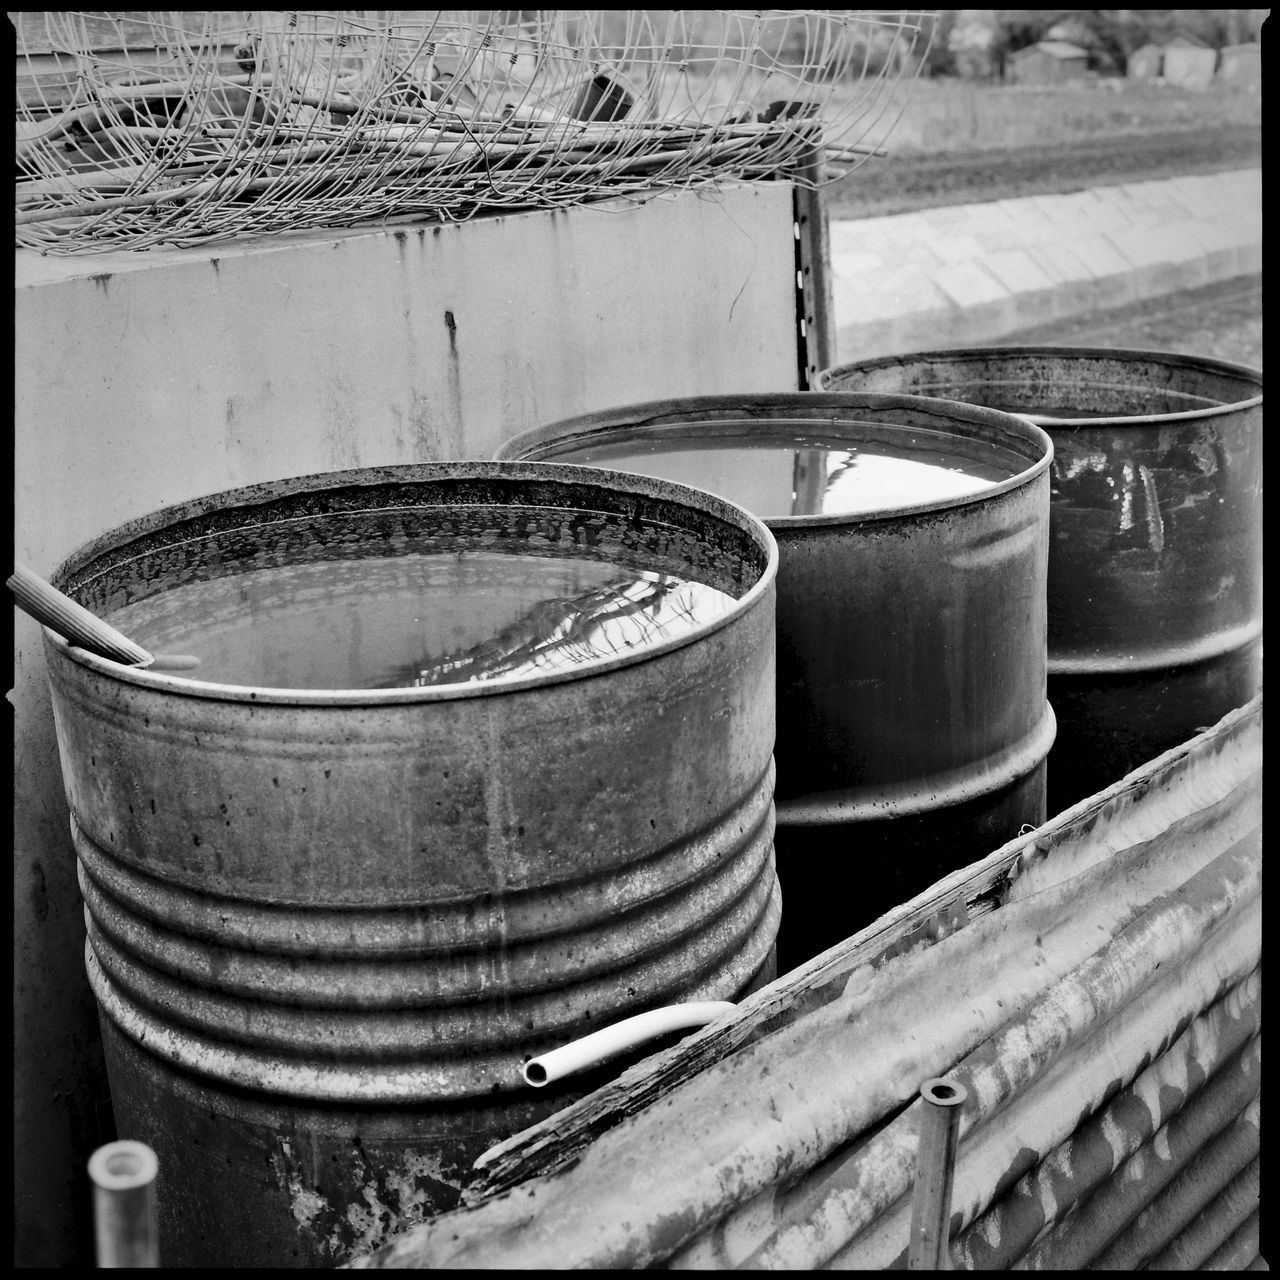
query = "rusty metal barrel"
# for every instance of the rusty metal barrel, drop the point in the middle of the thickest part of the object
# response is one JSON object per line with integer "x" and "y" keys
{"x": 327, "y": 927}
{"x": 1155, "y": 557}
{"x": 913, "y": 726}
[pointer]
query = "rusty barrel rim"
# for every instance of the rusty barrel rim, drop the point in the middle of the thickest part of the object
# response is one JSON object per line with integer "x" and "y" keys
{"x": 828, "y": 412}
{"x": 828, "y": 379}
{"x": 615, "y": 483}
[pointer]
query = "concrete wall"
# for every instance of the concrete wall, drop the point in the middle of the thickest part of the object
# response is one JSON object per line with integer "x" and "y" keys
{"x": 144, "y": 379}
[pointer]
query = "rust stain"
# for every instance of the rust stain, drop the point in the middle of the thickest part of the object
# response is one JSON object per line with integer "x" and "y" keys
{"x": 381, "y": 1204}
{"x": 1155, "y": 521}
{"x": 428, "y": 443}
{"x": 1071, "y": 460}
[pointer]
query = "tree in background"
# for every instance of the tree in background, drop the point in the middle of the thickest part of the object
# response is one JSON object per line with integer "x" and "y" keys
{"x": 972, "y": 38}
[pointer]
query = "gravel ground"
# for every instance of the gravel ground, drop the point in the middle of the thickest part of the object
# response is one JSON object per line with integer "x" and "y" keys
{"x": 1222, "y": 320}
{"x": 902, "y": 183}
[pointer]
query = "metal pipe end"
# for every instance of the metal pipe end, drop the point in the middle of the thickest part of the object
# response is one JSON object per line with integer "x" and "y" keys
{"x": 944, "y": 1092}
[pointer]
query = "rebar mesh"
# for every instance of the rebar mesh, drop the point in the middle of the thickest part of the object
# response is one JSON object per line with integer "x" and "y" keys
{"x": 137, "y": 129}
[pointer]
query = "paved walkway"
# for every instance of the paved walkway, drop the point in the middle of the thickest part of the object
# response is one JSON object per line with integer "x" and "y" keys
{"x": 969, "y": 274}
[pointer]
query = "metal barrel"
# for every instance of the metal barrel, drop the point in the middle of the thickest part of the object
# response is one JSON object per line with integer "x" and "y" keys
{"x": 1155, "y": 556}
{"x": 913, "y": 725}
{"x": 326, "y": 928}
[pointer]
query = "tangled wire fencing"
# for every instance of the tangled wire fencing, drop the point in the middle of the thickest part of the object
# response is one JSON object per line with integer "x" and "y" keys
{"x": 180, "y": 127}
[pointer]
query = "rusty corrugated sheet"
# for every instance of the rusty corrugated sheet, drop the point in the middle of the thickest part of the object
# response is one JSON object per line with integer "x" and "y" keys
{"x": 1027, "y": 1086}
{"x": 1095, "y": 987}
{"x": 1203, "y": 1080}
{"x": 1229, "y": 1210}
{"x": 1238, "y": 1250}
{"x": 1172, "y": 1213}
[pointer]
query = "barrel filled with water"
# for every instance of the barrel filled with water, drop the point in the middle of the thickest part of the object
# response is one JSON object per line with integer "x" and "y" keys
{"x": 913, "y": 534}
{"x": 1155, "y": 559}
{"x": 477, "y": 760}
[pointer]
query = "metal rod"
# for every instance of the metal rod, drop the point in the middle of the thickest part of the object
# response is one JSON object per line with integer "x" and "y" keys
{"x": 813, "y": 270}
{"x": 124, "y": 1204}
{"x": 942, "y": 1101}
{"x": 824, "y": 1221}
{"x": 1004, "y": 1141}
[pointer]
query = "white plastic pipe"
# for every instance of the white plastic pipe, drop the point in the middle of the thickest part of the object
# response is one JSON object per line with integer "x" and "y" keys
{"x": 608, "y": 1042}
{"x": 124, "y": 1204}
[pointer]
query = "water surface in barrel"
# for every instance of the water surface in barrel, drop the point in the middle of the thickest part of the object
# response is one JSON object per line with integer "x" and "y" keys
{"x": 778, "y": 471}
{"x": 417, "y": 620}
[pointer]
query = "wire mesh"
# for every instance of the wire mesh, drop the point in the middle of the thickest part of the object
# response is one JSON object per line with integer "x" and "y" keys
{"x": 178, "y": 127}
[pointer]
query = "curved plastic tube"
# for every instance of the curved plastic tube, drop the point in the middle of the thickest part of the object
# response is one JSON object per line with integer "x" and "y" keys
{"x": 608, "y": 1042}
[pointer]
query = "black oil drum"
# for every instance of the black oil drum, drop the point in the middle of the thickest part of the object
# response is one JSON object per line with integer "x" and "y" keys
{"x": 1155, "y": 556}
{"x": 913, "y": 725}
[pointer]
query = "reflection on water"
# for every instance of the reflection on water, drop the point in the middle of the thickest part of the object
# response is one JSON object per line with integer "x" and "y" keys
{"x": 777, "y": 473}
{"x": 864, "y": 482}
{"x": 417, "y": 620}
{"x": 627, "y": 613}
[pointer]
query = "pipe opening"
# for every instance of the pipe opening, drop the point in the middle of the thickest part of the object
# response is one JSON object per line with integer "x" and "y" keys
{"x": 943, "y": 1093}
{"x": 535, "y": 1073}
{"x": 123, "y": 1166}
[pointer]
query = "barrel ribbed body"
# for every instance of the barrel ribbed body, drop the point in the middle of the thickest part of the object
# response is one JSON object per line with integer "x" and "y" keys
{"x": 326, "y": 928}
{"x": 913, "y": 724}
{"x": 1155, "y": 561}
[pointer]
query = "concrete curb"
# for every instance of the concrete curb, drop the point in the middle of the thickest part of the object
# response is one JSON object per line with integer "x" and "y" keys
{"x": 968, "y": 274}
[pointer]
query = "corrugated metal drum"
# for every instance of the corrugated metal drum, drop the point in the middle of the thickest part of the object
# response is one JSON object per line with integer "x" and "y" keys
{"x": 1155, "y": 560}
{"x": 328, "y": 926}
{"x": 912, "y": 720}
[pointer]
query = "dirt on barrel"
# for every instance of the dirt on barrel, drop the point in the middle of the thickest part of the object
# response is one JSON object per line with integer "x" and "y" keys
{"x": 1222, "y": 320}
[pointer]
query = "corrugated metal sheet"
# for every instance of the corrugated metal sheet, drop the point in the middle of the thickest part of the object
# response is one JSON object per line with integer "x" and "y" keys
{"x": 1095, "y": 987}
{"x": 1180, "y": 1101}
